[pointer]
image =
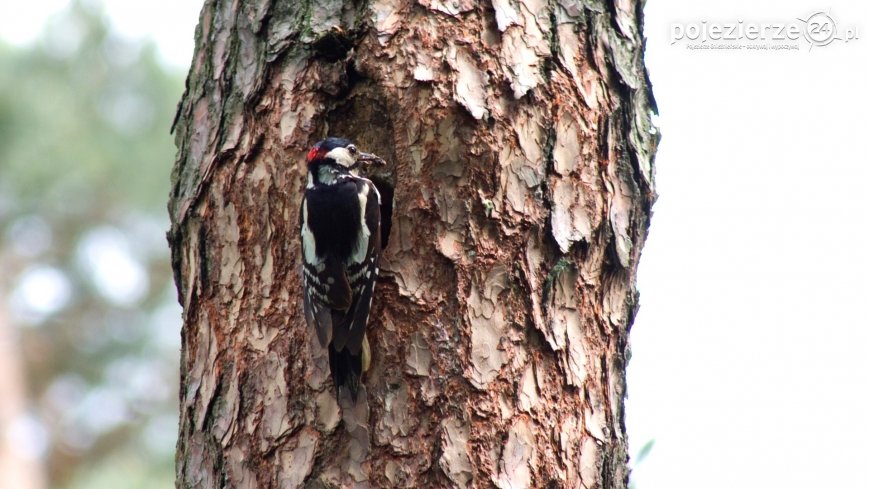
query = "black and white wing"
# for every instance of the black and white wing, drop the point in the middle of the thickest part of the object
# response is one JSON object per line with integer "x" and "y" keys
{"x": 362, "y": 268}
{"x": 325, "y": 282}
{"x": 338, "y": 293}
{"x": 348, "y": 329}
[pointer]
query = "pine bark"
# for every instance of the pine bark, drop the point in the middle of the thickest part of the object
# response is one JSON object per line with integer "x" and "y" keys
{"x": 521, "y": 153}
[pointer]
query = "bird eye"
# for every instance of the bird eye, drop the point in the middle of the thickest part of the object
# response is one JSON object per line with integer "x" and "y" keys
{"x": 352, "y": 149}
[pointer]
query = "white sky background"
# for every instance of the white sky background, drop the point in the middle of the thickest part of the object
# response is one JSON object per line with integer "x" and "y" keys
{"x": 750, "y": 360}
{"x": 170, "y": 23}
{"x": 751, "y": 349}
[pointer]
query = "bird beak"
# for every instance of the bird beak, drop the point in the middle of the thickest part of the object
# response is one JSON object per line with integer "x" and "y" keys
{"x": 370, "y": 158}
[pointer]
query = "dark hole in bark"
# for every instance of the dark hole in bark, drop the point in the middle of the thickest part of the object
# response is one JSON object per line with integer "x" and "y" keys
{"x": 362, "y": 117}
{"x": 333, "y": 45}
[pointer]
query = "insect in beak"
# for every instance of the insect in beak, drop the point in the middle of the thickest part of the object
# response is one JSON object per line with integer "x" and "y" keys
{"x": 370, "y": 158}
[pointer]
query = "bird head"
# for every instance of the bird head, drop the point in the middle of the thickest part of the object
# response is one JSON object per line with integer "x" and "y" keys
{"x": 339, "y": 153}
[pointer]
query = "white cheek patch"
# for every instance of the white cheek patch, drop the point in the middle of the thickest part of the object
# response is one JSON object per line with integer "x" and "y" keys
{"x": 342, "y": 156}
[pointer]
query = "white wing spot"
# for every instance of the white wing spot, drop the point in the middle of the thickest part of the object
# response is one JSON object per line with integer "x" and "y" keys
{"x": 309, "y": 245}
{"x": 361, "y": 249}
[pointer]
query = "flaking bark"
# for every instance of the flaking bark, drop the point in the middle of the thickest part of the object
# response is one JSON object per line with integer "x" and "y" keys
{"x": 521, "y": 152}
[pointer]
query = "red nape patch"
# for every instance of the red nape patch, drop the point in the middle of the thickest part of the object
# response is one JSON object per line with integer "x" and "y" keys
{"x": 313, "y": 153}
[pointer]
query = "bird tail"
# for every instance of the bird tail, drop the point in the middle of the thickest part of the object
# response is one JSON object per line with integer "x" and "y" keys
{"x": 346, "y": 370}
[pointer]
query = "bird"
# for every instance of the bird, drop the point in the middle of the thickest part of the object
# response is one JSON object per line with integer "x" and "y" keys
{"x": 339, "y": 228}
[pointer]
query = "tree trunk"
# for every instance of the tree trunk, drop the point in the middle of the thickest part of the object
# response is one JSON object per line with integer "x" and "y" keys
{"x": 521, "y": 150}
{"x": 20, "y": 467}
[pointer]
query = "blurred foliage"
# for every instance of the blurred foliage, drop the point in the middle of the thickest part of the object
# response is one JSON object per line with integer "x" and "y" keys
{"x": 85, "y": 154}
{"x": 642, "y": 455}
{"x": 644, "y": 452}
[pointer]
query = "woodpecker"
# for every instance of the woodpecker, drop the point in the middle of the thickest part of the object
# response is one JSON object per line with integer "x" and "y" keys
{"x": 339, "y": 224}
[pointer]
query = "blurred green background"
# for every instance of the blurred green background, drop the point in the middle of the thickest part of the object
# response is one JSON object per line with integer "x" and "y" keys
{"x": 89, "y": 330}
